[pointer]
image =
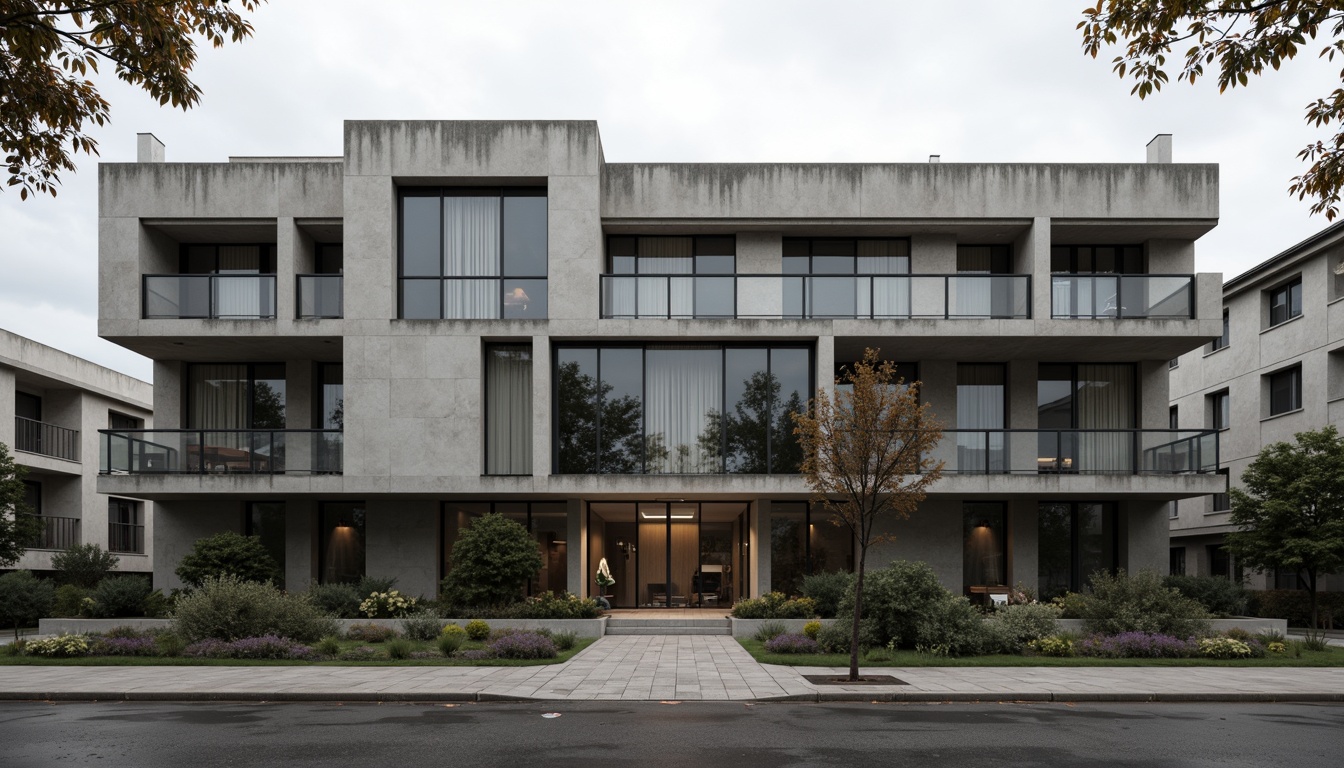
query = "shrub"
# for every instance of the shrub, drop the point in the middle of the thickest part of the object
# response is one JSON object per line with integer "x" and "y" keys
{"x": 549, "y": 605}
{"x": 834, "y": 638}
{"x": 83, "y": 565}
{"x": 1224, "y": 648}
{"x": 775, "y": 605}
{"x": 69, "y": 601}
{"x": 455, "y": 629}
{"x": 1054, "y": 645}
{"x": 119, "y": 597}
{"x": 229, "y": 608}
{"x": 24, "y": 599}
{"x": 564, "y": 640}
{"x": 477, "y": 654}
{"x": 1139, "y": 603}
{"x": 791, "y": 643}
{"x": 812, "y": 629}
{"x": 477, "y": 630}
{"x": 1315, "y": 641}
{"x": 1276, "y": 647}
{"x": 424, "y": 625}
{"x": 1295, "y": 606}
{"x": 897, "y": 600}
{"x": 143, "y": 645}
{"x": 827, "y": 590}
{"x": 339, "y": 600}
{"x": 1218, "y": 595}
{"x": 399, "y": 648}
{"x": 1136, "y": 645}
{"x": 263, "y": 647}
{"x": 328, "y": 646}
{"x": 157, "y": 605}
{"x": 952, "y": 625}
{"x": 126, "y": 632}
{"x": 13, "y": 649}
{"x": 1013, "y": 627}
{"x": 523, "y": 645}
{"x": 449, "y": 642}
{"x": 491, "y": 562}
{"x": 227, "y": 554}
{"x": 367, "y": 585}
{"x": 362, "y": 653}
{"x": 370, "y": 633}
{"x": 169, "y": 643}
{"x": 770, "y": 630}
{"x": 387, "y": 605}
{"x": 59, "y": 647}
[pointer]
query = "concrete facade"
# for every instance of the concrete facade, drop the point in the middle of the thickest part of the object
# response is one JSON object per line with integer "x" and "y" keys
{"x": 1312, "y": 342}
{"x": 413, "y": 407}
{"x": 61, "y": 450}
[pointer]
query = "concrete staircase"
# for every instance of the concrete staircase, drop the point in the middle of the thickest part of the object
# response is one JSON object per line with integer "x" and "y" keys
{"x": 668, "y": 626}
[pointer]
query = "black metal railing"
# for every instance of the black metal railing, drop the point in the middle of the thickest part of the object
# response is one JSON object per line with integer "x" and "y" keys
{"x": 1122, "y": 297}
{"x": 320, "y": 296}
{"x": 221, "y": 451}
{"x": 869, "y": 297}
{"x": 473, "y": 298}
{"x": 1079, "y": 451}
{"x": 56, "y": 533}
{"x": 126, "y": 537}
{"x": 47, "y": 439}
{"x": 220, "y": 297}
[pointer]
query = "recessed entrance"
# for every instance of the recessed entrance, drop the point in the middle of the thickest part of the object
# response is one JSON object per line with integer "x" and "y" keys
{"x": 671, "y": 554}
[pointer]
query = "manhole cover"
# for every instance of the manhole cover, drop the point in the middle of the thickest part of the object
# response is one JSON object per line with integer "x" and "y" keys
{"x": 844, "y": 680}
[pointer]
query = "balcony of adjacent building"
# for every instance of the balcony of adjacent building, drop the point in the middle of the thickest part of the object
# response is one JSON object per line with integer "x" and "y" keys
{"x": 42, "y": 441}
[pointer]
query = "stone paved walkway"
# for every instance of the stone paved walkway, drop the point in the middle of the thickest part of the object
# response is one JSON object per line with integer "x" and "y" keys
{"x": 658, "y": 667}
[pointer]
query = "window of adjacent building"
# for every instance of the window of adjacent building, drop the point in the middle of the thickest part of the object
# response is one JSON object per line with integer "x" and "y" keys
{"x": 266, "y": 521}
{"x": 27, "y": 406}
{"x": 1222, "y": 502}
{"x": 842, "y": 277}
{"x": 1334, "y": 374}
{"x": 236, "y": 396}
{"x": 1084, "y": 412}
{"x": 1097, "y": 259}
{"x": 1173, "y": 418}
{"x": 125, "y": 526}
{"x": 1177, "y": 561}
{"x": 1174, "y": 362}
{"x": 1220, "y": 562}
{"x": 982, "y": 399}
{"x": 473, "y": 253}
{"x": 679, "y": 408}
{"x": 1285, "y": 302}
{"x": 32, "y": 496}
{"x": 984, "y": 547}
{"x": 1285, "y": 391}
{"x": 804, "y": 541}
{"x": 546, "y": 521}
{"x": 1220, "y": 410}
{"x": 341, "y": 542}
{"x": 122, "y": 421}
{"x": 508, "y": 409}
{"x": 1286, "y": 578}
{"x": 1075, "y": 540}
{"x": 1222, "y": 341}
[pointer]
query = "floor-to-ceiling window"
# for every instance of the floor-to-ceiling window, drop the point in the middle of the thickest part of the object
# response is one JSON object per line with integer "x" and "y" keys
{"x": 330, "y": 417}
{"x": 1085, "y": 412}
{"x": 1074, "y": 541}
{"x": 341, "y": 542}
{"x": 982, "y": 398}
{"x": 508, "y": 409}
{"x": 670, "y": 276}
{"x": 266, "y": 521}
{"x": 805, "y": 540}
{"x": 846, "y": 277}
{"x": 984, "y": 547}
{"x": 230, "y": 402}
{"x": 679, "y": 409}
{"x": 546, "y": 521}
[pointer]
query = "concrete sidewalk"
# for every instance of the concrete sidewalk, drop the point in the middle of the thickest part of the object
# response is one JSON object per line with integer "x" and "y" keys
{"x": 658, "y": 667}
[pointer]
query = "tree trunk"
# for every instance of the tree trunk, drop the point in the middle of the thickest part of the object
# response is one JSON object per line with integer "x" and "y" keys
{"x": 858, "y": 614}
{"x": 1311, "y": 585}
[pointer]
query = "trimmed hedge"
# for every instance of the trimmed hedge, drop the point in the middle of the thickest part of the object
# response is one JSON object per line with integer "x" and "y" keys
{"x": 1295, "y": 606}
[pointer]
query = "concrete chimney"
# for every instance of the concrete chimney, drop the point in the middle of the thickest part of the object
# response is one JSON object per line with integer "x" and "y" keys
{"x": 1159, "y": 149}
{"x": 148, "y": 148}
{"x": 935, "y": 158}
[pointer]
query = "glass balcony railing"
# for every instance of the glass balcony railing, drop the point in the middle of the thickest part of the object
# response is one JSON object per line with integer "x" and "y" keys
{"x": 226, "y": 451}
{"x": 222, "y": 297}
{"x": 1078, "y": 451}
{"x": 46, "y": 439}
{"x": 872, "y": 297}
{"x": 320, "y": 296}
{"x": 1167, "y": 297}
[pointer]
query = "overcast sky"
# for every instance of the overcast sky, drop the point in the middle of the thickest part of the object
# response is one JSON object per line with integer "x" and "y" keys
{"x": 680, "y": 82}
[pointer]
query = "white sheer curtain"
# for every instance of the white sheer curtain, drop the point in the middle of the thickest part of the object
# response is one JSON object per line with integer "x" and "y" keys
{"x": 1105, "y": 400}
{"x": 683, "y": 396}
{"x": 218, "y": 401}
{"x": 980, "y": 401}
{"x": 508, "y": 381}
{"x": 666, "y": 256}
{"x": 890, "y": 295}
{"x": 973, "y": 295}
{"x": 239, "y": 296}
{"x": 471, "y": 249}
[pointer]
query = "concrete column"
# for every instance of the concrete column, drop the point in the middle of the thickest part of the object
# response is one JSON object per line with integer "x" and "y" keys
{"x": 1022, "y": 413}
{"x": 300, "y": 553}
{"x": 1023, "y": 542}
{"x": 825, "y": 366}
{"x": 760, "y": 253}
{"x": 286, "y": 260}
{"x": 1145, "y": 536}
{"x": 170, "y": 382}
{"x": 579, "y": 583}
{"x": 1033, "y": 258}
{"x": 401, "y": 539}
{"x": 933, "y": 254}
{"x": 758, "y": 548}
{"x": 541, "y": 406}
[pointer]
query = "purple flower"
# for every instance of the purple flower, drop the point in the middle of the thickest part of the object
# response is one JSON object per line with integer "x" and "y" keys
{"x": 790, "y": 643}
{"x": 265, "y": 647}
{"x": 523, "y": 645}
{"x": 1137, "y": 645}
{"x": 480, "y": 654}
{"x": 125, "y": 646}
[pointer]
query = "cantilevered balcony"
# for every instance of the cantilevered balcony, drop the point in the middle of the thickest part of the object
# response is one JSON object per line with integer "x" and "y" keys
{"x": 46, "y": 439}
{"x": 876, "y": 297}
{"x": 1122, "y": 297}
{"x": 56, "y": 533}
{"x": 216, "y": 297}
{"x": 226, "y": 451}
{"x": 1078, "y": 451}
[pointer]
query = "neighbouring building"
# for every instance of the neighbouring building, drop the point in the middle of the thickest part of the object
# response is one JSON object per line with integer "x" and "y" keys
{"x": 52, "y": 406}
{"x": 1276, "y": 369}
{"x": 356, "y": 356}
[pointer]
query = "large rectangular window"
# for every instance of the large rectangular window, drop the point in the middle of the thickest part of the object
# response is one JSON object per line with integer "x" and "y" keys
{"x": 341, "y": 542}
{"x": 508, "y": 409}
{"x": 125, "y": 527}
{"x": 266, "y": 521}
{"x": 846, "y": 277}
{"x": 982, "y": 397}
{"x": 1285, "y": 391}
{"x": 1285, "y": 302}
{"x": 670, "y": 276}
{"x": 1222, "y": 502}
{"x": 984, "y": 548}
{"x": 1220, "y": 410}
{"x": 473, "y": 253}
{"x": 803, "y": 541}
{"x": 1084, "y": 413}
{"x": 236, "y": 396}
{"x": 547, "y": 522}
{"x": 1223, "y": 341}
{"x": 679, "y": 409}
{"x": 1097, "y": 259}
{"x": 1075, "y": 540}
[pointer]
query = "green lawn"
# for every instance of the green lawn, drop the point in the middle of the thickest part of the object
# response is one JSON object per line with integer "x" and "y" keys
{"x": 1331, "y": 658}
{"x": 179, "y": 661}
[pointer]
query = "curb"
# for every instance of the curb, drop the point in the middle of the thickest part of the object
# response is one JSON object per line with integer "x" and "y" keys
{"x": 928, "y": 697}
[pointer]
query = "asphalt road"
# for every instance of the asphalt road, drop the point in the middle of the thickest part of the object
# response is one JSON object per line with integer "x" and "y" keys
{"x": 142, "y": 735}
